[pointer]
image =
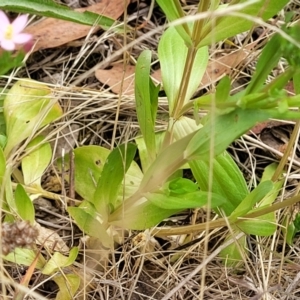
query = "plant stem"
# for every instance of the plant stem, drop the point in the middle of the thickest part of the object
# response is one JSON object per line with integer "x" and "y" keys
{"x": 287, "y": 152}
{"x": 223, "y": 222}
{"x": 184, "y": 82}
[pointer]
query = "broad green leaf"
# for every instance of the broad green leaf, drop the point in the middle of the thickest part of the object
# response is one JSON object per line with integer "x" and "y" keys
{"x": 51, "y": 9}
{"x": 223, "y": 90}
{"x": 89, "y": 162}
{"x": 131, "y": 184}
{"x": 143, "y": 153}
{"x": 264, "y": 225}
{"x": 225, "y": 26}
{"x": 266, "y": 62}
{"x": 146, "y": 112}
{"x": 290, "y": 229}
{"x": 28, "y": 106}
{"x": 231, "y": 255}
{"x": 141, "y": 216}
{"x": 172, "y": 52}
{"x": 259, "y": 226}
{"x": 112, "y": 176}
{"x": 267, "y": 175}
{"x": 254, "y": 197}
{"x": 238, "y": 121}
{"x": 90, "y": 223}
{"x": 184, "y": 201}
{"x": 7, "y": 187}
{"x": 174, "y": 11}
{"x": 68, "y": 285}
{"x": 23, "y": 256}
{"x": 181, "y": 186}
{"x": 296, "y": 82}
{"x": 36, "y": 162}
{"x": 2, "y": 164}
{"x": 168, "y": 161}
{"x": 24, "y": 205}
{"x": 227, "y": 179}
{"x": 59, "y": 261}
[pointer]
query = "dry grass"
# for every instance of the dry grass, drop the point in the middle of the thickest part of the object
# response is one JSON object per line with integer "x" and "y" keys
{"x": 155, "y": 267}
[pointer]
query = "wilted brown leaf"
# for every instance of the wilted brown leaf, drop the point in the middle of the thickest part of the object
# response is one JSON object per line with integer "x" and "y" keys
{"x": 113, "y": 78}
{"x": 51, "y": 33}
{"x": 216, "y": 69}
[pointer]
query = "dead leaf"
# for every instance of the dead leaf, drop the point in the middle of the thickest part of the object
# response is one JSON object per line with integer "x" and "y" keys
{"x": 113, "y": 78}
{"x": 216, "y": 69}
{"x": 50, "y": 239}
{"x": 258, "y": 128}
{"x": 51, "y": 33}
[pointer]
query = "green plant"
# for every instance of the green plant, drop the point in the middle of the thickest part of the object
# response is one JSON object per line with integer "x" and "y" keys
{"x": 116, "y": 192}
{"x": 28, "y": 107}
{"x": 123, "y": 196}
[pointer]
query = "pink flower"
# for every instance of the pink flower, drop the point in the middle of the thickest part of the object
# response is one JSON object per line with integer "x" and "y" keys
{"x": 10, "y": 33}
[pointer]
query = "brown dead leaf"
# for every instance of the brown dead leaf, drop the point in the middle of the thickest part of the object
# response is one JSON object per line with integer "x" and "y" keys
{"x": 113, "y": 78}
{"x": 50, "y": 239}
{"x": 51, "y": 33}
{"x": 258, "y": 128}
{"x": 216, "y": 69}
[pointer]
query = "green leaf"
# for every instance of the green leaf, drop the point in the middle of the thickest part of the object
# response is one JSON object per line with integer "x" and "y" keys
{"x": 89, "y": 162}
{"x": 36, "y": 162}
{"x": 225, "y": 26}
{"x": 239, "y": 121}
{"x": 143, "y": 152}
{"x": 2, "y": 165}
{"x": 259, "y": 226}
{"x": 146, "y": 97}
{"x": 28, "y": 106}
{"x": 141, "y": 216}
{"x": 297, "y": 222}
{"x": 90, "y": 223}
{"x": 24, "y": 205}
{"x": 23, "y": 256}
{"x": 231, "y": 255}
{"x": 168, "y": 161}
{"x": 68, "y": 285}
{"x": 51, "y": 9}
{"x": 112, "y": 176}
{"x": 59, "y": 261}
{"x": 172, "y": 52}
{"x": 227, "y": 180}
{"x": 180, "y": 186}
{"x": 10, "y": 60}
{"x": 254, "y": 197}
{"x": 131, "y": 184}
{"x": 266, "y": 62}
{"x": 264, "y": 225}
{"x": 184, "y": 201}
{"x": 223, "y": 90}
{"x": 174, "y": 11}
{"x": 290, "y": 231}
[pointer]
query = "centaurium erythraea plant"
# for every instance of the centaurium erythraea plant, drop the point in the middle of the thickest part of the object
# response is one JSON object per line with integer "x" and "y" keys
{"x": 11, "y": 33}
